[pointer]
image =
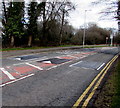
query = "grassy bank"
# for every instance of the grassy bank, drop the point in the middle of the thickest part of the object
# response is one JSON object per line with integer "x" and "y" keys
{"x": 109, "y": 97}
{"x": 27, "y": 48}
{"x": 116, "y": 97}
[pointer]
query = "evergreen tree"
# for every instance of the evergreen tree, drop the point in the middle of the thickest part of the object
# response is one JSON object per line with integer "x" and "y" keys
{"x": 13, "y": 27}
{"x": 32, "y": 24}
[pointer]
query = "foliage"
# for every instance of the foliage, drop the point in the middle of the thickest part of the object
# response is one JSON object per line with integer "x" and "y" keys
{"x": 46, "y": 25}
{"x": 94, "y": 35}
{"x": 117, "y": 38}
{"x": 14, "y": 22}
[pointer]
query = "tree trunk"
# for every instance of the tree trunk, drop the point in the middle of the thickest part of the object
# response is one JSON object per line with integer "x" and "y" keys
{"x": 12, "y": 41}
{"x": 44, "y": 25}
{"x": 61, "y": 29}
{"x": 30, "y": 41}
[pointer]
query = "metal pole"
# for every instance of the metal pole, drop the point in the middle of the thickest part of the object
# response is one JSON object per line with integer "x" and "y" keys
{"x": 84, "y": 29}
{"x": 106, "y": 40}
{"x": 84, "y": 34}
{"x": 111, "y": 37}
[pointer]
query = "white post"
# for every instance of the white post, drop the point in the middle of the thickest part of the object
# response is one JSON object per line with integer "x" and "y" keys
{"x": 84, "y": 34}
{"x": 106, "y": 40}
{"x": 111, "y": 37}
{"x": 84, "y": 28}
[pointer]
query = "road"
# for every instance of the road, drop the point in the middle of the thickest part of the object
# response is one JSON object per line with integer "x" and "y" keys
{"x": 54, "y": 78}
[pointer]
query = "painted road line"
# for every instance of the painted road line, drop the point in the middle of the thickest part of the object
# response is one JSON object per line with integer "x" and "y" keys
{"x": 34, "y": 66}
{"x": 100, "y": 66}
{"x": 7, "y": 73}
{"x": 58, "y": 65}
{"x": 77, "y": 103}
{"x": 47, "y": 62}
{"x": 30, "y": 61}
{"x": 16, "y": 80}
{"x": 75, "y": 63}
{"x": 96, "y": 86}
{"x": 18, "y": 58}
{"x": 73, "y": 56}
{"x": 19, "y": 64}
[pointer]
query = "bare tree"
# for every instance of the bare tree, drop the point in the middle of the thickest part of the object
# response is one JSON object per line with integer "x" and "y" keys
{"x": 52, "y": 11}
{"x": 112, "y": 9}
{"x": 66, "y": 7}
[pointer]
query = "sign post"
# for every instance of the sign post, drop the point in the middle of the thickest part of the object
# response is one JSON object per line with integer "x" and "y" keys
{"x": 106, "y": 40}
{"x": 111, "y": 37}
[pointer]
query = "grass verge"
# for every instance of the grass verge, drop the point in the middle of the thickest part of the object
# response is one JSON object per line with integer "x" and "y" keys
{"x": 109, "y": 97}
{"x": 116, "y": 97}
{"x": 27, "y": 48}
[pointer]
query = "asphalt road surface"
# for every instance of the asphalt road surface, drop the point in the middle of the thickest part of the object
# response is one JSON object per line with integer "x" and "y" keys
{"x": 54, "y": 78}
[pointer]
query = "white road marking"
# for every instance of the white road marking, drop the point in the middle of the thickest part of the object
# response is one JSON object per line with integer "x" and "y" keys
{"x": 32, "y": 59}
{"x": 19, "y": 64}
{"x": 18, "y": 58}
{"x": 34, "y": 66}
{"x": 75, "y": 63}
{"x": 58, "y": 65}
{"x": 101, "y": 66}
{"x": 35, "y": 60}
{"x": 16, "y": 80}
{"x": 52, "y": 67}
{"x": 73, "y": 56}
{"x": 7, "y": 73}
{"x": 49, "y": 62}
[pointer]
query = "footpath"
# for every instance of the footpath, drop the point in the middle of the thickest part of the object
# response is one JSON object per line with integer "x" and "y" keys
{"x": 32, "y": 51}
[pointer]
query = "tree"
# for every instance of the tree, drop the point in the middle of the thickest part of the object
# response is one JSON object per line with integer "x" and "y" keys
{"x": 54, "y": 11}
{"x": 32, "y": 24}
{"x": 47, "y": 18}
{"x": 112, "y": 9}
{"x": 65, "y": 8}
{"x": 13, "y": 21}
{"x": 117, "y": 38}
{"x": 68, "y": 33}
{"x": 77, "y": 38}
{"x": 94, "y": 35}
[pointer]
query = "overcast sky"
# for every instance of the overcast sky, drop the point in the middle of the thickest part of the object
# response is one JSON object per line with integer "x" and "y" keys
{"x": 77, "y": 16}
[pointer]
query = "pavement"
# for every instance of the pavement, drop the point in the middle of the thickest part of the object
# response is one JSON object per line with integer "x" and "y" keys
{"x": 54, "y": 77}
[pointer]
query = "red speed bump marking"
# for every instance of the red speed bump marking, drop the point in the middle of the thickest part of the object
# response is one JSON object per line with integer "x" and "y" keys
{"x": 79, "y": 55}
{"x": 24, "y": 69}
{"x": 68, "y": 57}
{"x": 46, "y": 64}
{"x": 4, "y": 78}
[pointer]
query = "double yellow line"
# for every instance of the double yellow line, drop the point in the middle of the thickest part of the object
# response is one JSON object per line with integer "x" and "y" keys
{"x": 101, "y": 75}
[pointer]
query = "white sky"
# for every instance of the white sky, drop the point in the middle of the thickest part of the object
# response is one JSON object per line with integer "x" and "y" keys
{"x": 77, "y": 16}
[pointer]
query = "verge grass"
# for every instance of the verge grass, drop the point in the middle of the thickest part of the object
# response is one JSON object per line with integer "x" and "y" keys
{"x": 116, "y": 97}
{"x": 27, "y": 48}
{"x": 109, "y": 96}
